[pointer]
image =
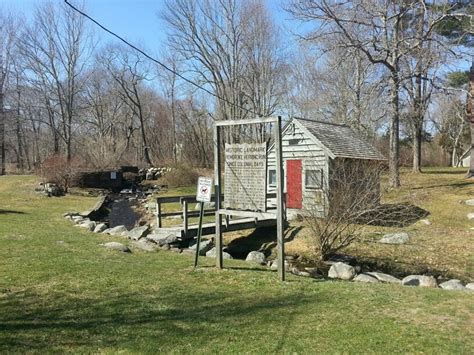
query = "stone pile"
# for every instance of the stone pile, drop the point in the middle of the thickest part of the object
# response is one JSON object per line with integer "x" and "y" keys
{"x": 154, "y": 173}
{"x": 50, "y": 189}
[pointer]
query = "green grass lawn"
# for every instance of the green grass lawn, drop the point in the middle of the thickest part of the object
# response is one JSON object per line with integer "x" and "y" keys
{"x": 62, "y": 292}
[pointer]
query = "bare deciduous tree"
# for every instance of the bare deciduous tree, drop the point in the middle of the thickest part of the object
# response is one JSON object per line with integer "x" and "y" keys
{"x": 56, "y": 48}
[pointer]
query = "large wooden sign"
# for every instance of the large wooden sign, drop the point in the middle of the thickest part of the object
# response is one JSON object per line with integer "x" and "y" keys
{"x": 245, "y": 176}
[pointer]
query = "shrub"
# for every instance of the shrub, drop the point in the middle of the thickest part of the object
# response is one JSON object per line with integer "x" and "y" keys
{"x": 341, "y": 208}
{"x": 180, "y": 176}
{"x": 58, "y": 170}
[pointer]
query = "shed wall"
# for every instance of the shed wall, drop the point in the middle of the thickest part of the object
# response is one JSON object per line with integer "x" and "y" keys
{"x": 297, "y": 144}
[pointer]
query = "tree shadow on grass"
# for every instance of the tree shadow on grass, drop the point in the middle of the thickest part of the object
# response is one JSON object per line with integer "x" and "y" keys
{"x": 164, "y": 320}
{"x": 393, "y": 215}
{"x": 453, "y": 185}
{"x": 261, "y": 239}
{"x": 11, "y": 212}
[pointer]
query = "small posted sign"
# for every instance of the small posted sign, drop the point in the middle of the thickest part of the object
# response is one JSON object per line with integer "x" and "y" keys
{"x": 204, "y": 189}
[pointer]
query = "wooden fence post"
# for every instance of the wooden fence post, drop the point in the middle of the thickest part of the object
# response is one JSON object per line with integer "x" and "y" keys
{"x": 280, "y": 206}
{"x": 158, "y": 213}
{"x": 217, "y": 192}
{"x": 185, "y": 217}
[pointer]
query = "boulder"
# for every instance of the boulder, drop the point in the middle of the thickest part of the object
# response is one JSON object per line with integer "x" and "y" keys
{"x": 395, "y": 238}
{"x": 365, "y": 278}
{"x": 470, "y": 286}
{"x": 426, "y": 222}
{"x": 212, "y": 254}
{"x": 314, "y": 272}
{"x": 117, "y": 230}
{"x": 256, "y": 257}
{"x": 420, "y": 280}
{"x": 100, "y": 228}
{"x": 384, "y": 277}
{"x": 274, "y": 265}
{"x": 149, "y": 175}
{"x": 470, "y": 216}
{"x": 78, "y": 219}
{"x": 341, "y": 271}
{"x": 204, "y": 247}
{"x": 89, "y": 225}
{"x": 469, "y": 202}
{"x": 161, "y": 239}
{"x": 53, "y": 190}
{"x": 144, "y": 245}
{"x": 453, "y": 284}
{"x": 117, "y": 246}
{"x": 137, "y": 233}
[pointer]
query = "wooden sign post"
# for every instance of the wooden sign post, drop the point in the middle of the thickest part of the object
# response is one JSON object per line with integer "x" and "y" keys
{"x": 203, "y": 195}
{"x": 251, "y": 198}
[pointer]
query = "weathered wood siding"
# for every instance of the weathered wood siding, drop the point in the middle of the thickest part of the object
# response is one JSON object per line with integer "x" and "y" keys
{"x": 297, "y": 144}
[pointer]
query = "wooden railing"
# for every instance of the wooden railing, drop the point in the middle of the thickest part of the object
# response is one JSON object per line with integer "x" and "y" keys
{"x": 185, "y": 213}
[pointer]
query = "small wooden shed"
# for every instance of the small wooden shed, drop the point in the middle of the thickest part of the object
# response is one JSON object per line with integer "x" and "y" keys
{"x": 310, "y": 151}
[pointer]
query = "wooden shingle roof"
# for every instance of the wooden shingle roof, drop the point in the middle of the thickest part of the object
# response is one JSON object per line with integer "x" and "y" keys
{"x": 341, "y": 140}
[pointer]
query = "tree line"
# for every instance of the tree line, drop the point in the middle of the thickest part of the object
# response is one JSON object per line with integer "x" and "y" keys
{"x": 379, "y": 66}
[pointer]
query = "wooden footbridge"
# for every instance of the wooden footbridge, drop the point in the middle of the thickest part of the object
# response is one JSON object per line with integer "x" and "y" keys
{"x": 240, "y": 220}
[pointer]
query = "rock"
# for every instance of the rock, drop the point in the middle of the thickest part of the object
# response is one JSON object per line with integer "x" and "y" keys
{"x": 426, "y": 222}
{"x": 150, "y": 206}
{"x": 117, "y": 246}
{"x": 469, "y": 202}
{"x": 395, "y": 238}
{"x": 314, "y": 272}
{"x": 137, "y": 233}
{"x": 89, "y": 225}
{"x": 470, "y": 216}
{"x": 78, "y": 219}
{"x": 204, "y": 247}
{"x": 256, "y": 257}
{"x": 304, "y": 274}
{"x": 149, "y": 175}
{"x": 420, "y": 280}
{"x": 452, "y": 285}
{"x": 470, "y": 286}
{"x": 52, "y": 190}
{"x": 341, "y": 271}
{"x": 143, "y": 244}
{"x": 118, "y": 230}
{"x": 162, "y": 239}
{"x": 365, "y": 278}
{"x": 100, "y": 228}
{"x": 212, "y": 254}
{"x": 384, "y": 277}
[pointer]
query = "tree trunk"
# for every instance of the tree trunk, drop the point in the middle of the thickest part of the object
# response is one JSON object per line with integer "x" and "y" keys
{"x": 394, "y": 154}
{"x": 470, "y": 173}
{"x": 470, "y": 117}
{"x": 2, "y": 135}
{"x": 417, "y": 139}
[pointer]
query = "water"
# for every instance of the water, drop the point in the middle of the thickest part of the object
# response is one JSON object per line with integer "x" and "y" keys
{"x": 122, "y": 212}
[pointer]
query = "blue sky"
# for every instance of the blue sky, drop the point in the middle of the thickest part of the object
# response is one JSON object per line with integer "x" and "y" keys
{"x": 136, "y": 20}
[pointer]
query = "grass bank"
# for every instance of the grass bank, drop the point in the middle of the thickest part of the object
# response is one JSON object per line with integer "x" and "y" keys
{"x": 62, "y": 292}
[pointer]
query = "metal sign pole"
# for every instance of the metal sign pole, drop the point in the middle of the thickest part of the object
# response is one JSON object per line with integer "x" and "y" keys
{"x": 198, "y": 244}
{"x": 203, "y": 195}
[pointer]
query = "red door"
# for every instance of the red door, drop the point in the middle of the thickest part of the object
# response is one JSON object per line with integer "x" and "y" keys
{"x": 294, "y": 191}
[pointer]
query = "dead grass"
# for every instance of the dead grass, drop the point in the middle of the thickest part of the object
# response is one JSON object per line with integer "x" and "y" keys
{"x": 444, "y": 248}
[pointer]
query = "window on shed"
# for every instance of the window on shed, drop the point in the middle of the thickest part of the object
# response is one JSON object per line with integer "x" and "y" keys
{"x": 272, "y": 177}
{"x": 314, "y": 179}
